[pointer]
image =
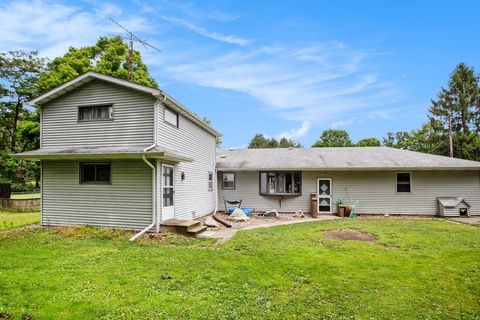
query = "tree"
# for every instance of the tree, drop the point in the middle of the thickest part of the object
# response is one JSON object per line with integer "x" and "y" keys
{"x": 108, "y": 56}
{"x": 368, "y": 142}
{"x": 218, "y": 140}
{"x": 333, "y": 138}
{"x": 20, "y": 70}
{"x": 260, "y": 141}
{"x": 288, "y": 143}
{"x": 460, "y": 102}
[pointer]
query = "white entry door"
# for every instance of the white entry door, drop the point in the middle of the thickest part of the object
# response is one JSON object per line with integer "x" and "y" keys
{"x": 168, "y": 192}
{"x": 324, "y": 192}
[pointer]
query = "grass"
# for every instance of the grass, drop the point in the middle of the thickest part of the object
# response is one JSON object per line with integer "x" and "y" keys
{"x": 25, "y": 196}
{"x": 12, "y": 220}
{"x": 416, "y": 269}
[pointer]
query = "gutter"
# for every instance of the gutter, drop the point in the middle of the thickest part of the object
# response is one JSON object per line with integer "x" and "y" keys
{"x": 155, "y": 218}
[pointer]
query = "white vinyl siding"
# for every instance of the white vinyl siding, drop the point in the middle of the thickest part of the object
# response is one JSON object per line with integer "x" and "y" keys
{"x": 192, "y": 196}
{"x": 124, "y": 203}
{"x": 132, "y": 122}
{"x": 375, "y": 191}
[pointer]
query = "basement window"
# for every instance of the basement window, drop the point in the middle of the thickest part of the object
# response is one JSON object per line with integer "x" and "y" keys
{"x": 93, "y": 113}
{"x": 280, "y": 183}
{"x": 95, "y": 173}
{"x": 404, "y": 182}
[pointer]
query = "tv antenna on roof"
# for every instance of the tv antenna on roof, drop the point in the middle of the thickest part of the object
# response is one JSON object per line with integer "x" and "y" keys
{"x": 133, "y": 38}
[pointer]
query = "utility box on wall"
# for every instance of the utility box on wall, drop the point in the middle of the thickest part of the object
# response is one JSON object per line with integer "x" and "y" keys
{"x": 453, "y": 207}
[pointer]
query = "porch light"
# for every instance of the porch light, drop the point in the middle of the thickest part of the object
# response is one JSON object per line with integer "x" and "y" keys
{"x": 182, "y": 175}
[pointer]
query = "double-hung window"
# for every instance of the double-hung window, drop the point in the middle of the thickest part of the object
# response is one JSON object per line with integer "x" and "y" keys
{"x": 404, "y": 182}
{"x": 228, "y": 180}
{"x": 92, "y": 113}
{"x": 281, "y": 183}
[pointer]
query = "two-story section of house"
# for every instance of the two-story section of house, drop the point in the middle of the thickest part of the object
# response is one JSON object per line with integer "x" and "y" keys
{"x": 118, "y": 154}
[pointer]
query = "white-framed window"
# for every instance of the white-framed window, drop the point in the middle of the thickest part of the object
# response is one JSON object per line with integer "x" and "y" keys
{"x": 171, "y": 117}
{"x": 404, "y": 182}
{"x": 210, "y": 181}
{"x": 228, "y": 180}
{"x": 100, "y": 173}
{"x": 92, "y": 113}
{"x": 281, "y": 183}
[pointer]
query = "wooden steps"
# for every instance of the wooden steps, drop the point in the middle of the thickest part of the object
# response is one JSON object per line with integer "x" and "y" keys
{"x": 185, "y": 227}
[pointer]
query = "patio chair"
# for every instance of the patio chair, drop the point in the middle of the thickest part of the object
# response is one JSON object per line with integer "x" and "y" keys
{"x": 235, "y": 203}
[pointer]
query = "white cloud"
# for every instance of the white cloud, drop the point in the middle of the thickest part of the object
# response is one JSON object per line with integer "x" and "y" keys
{"x": 343, "y": 123}
{"x": 296, "y": 134}
{"x": 53, "y": 27}
{"x": 202, "y": 31}
{"x": 319, "y": 82}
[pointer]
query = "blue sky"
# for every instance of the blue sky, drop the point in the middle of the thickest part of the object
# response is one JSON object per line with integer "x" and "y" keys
{"x": 281, "y": 68}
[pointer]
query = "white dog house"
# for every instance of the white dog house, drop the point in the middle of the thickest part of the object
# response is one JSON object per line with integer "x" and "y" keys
{"x": 453, "y": 207}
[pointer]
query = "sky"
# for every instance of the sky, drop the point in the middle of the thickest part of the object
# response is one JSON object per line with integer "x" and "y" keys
{"x": 281, "y": 68}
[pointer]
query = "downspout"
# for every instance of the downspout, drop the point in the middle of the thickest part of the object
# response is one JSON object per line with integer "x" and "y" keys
{"x": 155, "y": 219}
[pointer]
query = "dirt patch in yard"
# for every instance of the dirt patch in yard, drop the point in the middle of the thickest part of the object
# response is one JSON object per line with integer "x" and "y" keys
{"x": 349, "y": 235}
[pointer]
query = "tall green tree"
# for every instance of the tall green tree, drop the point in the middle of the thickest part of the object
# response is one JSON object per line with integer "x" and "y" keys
{"x": 333, "y": 138}
{"x": 108, "y": 56}
{"x": 460, "y": 102}
{"x": 260, "y": 141}
{"x": 288, "y": 143}
{"x": 368, "y": 142}
{"x": 20, "y": 71}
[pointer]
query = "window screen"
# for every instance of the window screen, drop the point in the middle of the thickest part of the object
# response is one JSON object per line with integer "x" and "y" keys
{"x": 404, "y": 183}
{"x": 95, "y": 173}
{"x": 171, "y": 117}
{"x": 95, "y": 113}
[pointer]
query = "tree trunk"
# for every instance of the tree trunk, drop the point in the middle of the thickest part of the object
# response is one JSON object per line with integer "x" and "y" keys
{"x": 18, "y": 109}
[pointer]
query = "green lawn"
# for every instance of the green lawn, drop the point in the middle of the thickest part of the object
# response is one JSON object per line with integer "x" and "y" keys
{"x": 25, "y": 196}
{"x": 12, "y": 220}
{"x": 418, "y": 269}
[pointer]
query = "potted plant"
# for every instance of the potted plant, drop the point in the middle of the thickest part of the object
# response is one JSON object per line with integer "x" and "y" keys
{"x": 340, "y": 208}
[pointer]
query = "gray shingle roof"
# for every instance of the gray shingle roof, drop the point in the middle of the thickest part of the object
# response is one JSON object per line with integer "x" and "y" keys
{"x": 120, "y": 152}
{"x": 367, "y": 158}
{"x": 451, "y": 202}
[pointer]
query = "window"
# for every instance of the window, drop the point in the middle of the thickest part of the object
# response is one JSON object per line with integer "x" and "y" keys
{"x": 228, "y": 181}
{"x": 404, "y": 183}
{"x": 280, "y": 183}
{"x": 90, "y": 113}
{"x": 95, "y": 172}
{"x": 171, "y": 117}
{"x": 210, "y": 181}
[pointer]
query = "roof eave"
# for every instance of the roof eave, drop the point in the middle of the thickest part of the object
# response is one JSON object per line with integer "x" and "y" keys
{"x": 104, "y": 156}
{"x": 177, "y": 106}
{"x": 224, "y": 169}
{"x": 84, "y": 78}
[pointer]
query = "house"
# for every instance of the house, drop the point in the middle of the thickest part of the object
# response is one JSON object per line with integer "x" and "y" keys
{"x": 382, "y": 180}
{"x": 115, "y": 153}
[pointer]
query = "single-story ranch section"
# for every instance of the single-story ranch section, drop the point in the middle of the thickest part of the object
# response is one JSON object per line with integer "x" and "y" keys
{"x": 380, "y": 180}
